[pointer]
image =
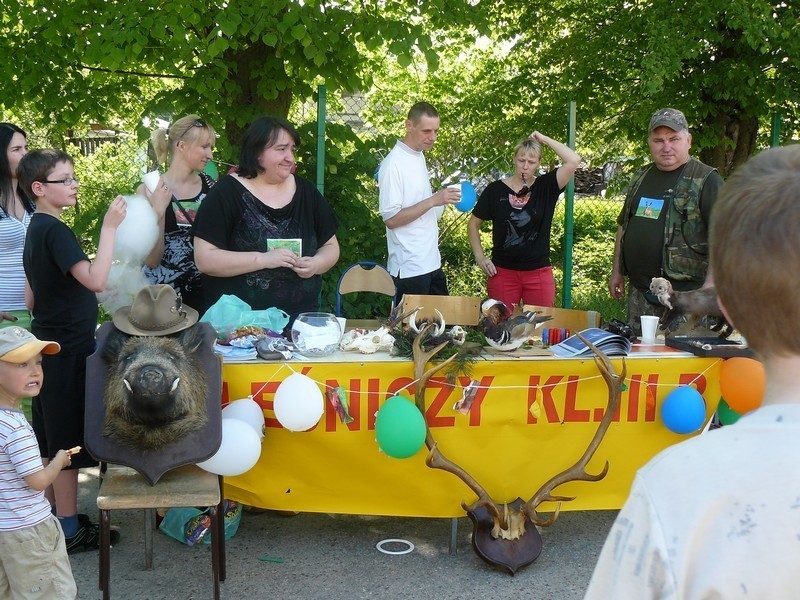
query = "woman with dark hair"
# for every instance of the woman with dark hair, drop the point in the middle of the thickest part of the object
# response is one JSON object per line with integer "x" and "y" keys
{"x": 184, "y": 148}
{"x": 15, "y": 216}
{"x": 264, "y": 234}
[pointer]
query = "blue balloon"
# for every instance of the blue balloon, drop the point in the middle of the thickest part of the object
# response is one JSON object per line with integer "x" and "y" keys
{"x": 683, "y": 410}
{"x": 468, "y": 197}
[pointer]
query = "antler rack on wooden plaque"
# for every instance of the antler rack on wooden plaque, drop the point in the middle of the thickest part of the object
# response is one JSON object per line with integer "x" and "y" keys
{"x": 506, "y": 535}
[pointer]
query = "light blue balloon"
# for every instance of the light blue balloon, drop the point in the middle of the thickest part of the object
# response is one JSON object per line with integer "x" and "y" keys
{"x": 468, "y": 197}
{"x": 683, "y": 410}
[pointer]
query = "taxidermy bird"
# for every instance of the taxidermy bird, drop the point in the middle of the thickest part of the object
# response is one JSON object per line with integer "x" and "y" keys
{"x": 696, "y": 304}
{"x": 505, "y": 329}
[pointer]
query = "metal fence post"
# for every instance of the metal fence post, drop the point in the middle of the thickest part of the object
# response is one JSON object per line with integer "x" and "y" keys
{"x": 775, "y": 139}
{"x": 322, "y": 100}
{"x": 569, "y": 216}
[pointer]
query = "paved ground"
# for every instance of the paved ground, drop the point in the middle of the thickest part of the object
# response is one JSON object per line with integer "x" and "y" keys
{"x": 334, "y": 556}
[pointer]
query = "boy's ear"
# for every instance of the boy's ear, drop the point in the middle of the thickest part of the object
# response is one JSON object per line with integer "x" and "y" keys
{"x": 37, "y": 187}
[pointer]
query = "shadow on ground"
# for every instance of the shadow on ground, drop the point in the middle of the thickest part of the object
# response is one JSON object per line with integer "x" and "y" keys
{"x": 334, "y": 556}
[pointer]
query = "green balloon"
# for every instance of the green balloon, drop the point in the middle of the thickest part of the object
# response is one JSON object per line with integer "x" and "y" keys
{"x": 211, "y": 170}
{"x": 400, "y": 428}
{"x": 727, "y": 416}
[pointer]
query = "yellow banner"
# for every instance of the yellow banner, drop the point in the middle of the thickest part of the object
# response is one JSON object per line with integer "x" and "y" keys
{"x": 530, "y": 420}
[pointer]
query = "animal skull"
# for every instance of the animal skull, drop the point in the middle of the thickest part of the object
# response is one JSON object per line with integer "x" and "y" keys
{"x": 369, "y": 342}
{"x": 458, "y": 334}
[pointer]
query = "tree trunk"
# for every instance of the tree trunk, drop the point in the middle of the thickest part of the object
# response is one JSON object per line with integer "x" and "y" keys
{"x": 736, "y": 135}
{"x": 248, "y": 73}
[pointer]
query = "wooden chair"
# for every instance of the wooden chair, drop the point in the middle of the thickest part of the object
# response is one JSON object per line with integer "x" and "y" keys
{"x": 122, "y": 488}
{"x": 357, "y": 278}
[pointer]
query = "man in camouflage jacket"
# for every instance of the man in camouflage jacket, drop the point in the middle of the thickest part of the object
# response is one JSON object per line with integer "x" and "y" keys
{"x": 663, "y": 226}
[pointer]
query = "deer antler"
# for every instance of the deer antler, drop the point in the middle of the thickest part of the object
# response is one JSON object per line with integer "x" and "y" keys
{"x": 577, "y": 472}
{"x": 435, "y": 459}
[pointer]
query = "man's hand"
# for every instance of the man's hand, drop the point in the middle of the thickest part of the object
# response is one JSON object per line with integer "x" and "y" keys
{"x": 4, "y": 316}
{"x": 116, "y": 213}
{"x": 446, "y": 196}
{"x": 616, "y": 286}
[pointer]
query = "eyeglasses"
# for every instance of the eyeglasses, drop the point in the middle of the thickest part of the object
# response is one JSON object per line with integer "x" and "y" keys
{"x": 68, "y": 181}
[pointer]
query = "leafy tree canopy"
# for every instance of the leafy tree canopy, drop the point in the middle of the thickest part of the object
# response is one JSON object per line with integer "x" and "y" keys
{"x": 229, "y": 61}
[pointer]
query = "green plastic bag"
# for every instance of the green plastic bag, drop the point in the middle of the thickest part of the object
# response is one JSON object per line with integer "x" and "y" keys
{"x": 191, "y": 525}
{"x": 230, "y": 312}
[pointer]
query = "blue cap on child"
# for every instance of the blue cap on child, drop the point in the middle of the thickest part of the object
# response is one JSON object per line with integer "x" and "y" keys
{"x": 18, "y": 345}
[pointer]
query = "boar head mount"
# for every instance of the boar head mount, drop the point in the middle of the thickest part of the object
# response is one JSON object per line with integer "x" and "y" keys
{"x": 156, "y": 388}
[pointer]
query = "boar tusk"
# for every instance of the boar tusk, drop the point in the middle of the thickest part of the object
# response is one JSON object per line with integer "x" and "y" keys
{"x": 412, "y": 323}
{"x": 127, "y": 385}
{"x": 439, "y": 327}
{"x": 175, "y": 384}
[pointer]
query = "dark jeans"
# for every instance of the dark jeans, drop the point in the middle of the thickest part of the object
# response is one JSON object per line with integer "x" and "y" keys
{"x": 432, "y": 284}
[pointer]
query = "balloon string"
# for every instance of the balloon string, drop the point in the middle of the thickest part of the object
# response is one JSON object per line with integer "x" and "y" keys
{"x": 542, "y": 386}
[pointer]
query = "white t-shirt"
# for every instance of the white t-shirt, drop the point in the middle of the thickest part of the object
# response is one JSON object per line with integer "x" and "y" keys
{"x": 403, "y": 181}
{"x": 717, "y": 516}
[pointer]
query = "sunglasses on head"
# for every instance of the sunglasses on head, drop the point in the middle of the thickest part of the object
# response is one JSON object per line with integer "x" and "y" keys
{"x": 195, "y": 123}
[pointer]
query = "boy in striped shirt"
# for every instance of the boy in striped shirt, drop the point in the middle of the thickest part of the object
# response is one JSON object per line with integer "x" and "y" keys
{"x": 33, "y": 554}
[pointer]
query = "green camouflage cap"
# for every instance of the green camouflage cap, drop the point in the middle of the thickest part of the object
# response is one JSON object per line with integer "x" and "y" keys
{"x": 668, "y": 117}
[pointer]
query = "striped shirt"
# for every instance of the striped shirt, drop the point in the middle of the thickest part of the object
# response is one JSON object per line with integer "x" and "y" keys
{"x": 20, "y": 505}
{"x": 12, "y": 274}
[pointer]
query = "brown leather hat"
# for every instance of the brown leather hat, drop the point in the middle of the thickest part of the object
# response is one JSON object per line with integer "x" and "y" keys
{"x": 156, "y": 310}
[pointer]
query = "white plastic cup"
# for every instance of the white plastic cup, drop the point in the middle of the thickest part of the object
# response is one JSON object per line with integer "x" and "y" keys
{"x": 649, "y": 328}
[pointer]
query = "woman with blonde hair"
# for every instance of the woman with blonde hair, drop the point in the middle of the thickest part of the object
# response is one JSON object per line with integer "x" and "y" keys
{"x": 187, "y": 146}
{"x": 521, "y": 209}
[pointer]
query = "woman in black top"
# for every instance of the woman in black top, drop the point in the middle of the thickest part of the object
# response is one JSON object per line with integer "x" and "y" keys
{"x": 521, "y": 209}
{"x": 264, "y": 234}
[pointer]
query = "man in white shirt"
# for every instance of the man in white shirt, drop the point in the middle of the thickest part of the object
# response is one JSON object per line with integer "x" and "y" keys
{"x": 411, "y": 210}
{"x": 718, "y": 516}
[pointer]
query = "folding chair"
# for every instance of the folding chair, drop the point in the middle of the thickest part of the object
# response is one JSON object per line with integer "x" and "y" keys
{"x": 357, "y": 278}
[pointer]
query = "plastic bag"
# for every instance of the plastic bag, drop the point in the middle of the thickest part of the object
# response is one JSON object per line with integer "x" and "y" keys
{"x": 191, "y": 525}
{"x": 230, "y": 312}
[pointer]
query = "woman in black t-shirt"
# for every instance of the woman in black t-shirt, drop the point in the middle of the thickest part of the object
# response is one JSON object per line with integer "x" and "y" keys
{"x": 188, "y": 145}
{"x": 264, "y": 234}
{"x": 521, "y": 209}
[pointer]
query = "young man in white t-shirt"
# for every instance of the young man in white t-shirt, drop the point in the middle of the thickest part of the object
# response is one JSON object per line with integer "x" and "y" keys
{"x": 411, "y": 210}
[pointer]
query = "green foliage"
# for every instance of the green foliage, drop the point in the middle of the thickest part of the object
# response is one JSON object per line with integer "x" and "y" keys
{"x": 228, "y": 61}
{"x": 594, "y": 232}
{"x": 116, "y": 168}
{"x": 352, "y": 192}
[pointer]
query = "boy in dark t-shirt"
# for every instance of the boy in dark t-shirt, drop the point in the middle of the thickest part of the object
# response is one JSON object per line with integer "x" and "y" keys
{"x": 61, "y": 289}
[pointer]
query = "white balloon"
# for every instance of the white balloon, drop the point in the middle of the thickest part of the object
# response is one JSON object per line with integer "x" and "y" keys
{"x": 248, "y": 411}
{"x": 238, "y": 453}
{"x": 298, "y": 403}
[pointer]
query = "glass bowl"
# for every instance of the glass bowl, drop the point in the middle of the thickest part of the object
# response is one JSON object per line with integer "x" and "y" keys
{"x": 316, "y": 334}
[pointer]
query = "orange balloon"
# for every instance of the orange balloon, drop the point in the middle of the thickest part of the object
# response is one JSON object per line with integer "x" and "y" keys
{"x": 742, "y": 382}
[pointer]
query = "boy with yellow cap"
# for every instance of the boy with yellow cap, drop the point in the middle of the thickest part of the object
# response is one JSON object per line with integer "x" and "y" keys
{"x": 33, "y": 554}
